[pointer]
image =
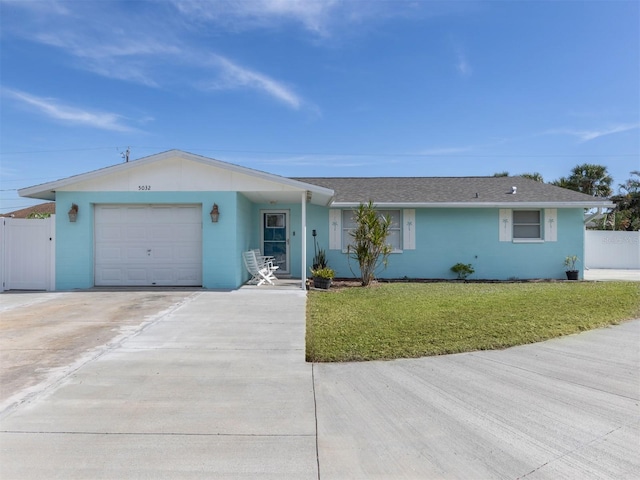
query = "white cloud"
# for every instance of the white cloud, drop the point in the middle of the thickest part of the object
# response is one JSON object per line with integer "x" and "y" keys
{"x": 233, "y": 75}
{"x": 54, "y": 109}
{"x": 587, "y": 135}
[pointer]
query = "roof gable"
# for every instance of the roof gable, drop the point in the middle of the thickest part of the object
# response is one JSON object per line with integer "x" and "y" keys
{"x": 177, "y": 171}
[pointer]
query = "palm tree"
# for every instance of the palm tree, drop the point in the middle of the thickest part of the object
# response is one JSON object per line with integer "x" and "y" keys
{"x": 588, "y": 178}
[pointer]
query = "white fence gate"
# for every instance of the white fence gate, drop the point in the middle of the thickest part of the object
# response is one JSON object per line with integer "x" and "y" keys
{"x": 611, "y": 249}
{"x": 27, "y": 253}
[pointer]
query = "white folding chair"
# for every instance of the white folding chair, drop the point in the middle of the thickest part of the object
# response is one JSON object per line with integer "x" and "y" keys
{"x": 265, "y": 260}
{"x": 259, "y": 274}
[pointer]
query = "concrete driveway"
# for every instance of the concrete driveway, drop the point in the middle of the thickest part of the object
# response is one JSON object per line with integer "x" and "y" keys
{"x": 214, "y": 385}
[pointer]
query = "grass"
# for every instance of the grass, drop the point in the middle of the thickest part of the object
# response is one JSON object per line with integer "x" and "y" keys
{"x": 407, "y": 320}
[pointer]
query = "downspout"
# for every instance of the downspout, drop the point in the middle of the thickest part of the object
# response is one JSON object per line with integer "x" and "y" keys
{"x": 303, "y": 240}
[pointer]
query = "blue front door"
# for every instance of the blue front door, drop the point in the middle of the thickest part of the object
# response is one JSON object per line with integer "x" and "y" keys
{"x": 275, "y": 238}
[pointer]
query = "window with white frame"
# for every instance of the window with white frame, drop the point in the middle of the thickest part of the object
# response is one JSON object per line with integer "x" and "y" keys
{"x": 527, "y": 225}
{"x": 395, "y": 231}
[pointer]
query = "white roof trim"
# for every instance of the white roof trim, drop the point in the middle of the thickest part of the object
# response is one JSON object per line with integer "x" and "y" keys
{"x": 49, "y": 187}
{"x": 480, "y": 205}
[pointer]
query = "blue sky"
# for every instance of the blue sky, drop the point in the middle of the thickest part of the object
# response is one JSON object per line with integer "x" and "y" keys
{"x": 320, "y": 88}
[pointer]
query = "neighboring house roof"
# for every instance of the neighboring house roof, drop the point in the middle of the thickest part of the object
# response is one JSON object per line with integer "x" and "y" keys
{"x": 453, "y": 192}
{"x": 43, "y": 208}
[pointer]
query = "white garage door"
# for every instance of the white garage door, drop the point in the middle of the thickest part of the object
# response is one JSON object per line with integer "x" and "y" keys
{"x": 148, "y": 245}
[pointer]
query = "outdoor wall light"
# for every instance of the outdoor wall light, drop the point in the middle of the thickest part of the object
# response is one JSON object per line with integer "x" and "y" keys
{"x": 73, "y": 212}
{"x": 215, "y": 213}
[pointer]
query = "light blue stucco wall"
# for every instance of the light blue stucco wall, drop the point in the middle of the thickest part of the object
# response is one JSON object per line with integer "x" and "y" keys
{"x": 221, "y": 242}
{"x": 443, "y": 237}
{"x": 246, "y": 229}
{"x": 447, "y": 236}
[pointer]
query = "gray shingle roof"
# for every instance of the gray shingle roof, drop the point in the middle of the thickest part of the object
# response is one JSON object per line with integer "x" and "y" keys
{"x": 467, "y": 190}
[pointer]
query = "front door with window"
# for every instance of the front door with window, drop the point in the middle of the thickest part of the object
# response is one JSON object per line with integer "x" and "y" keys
{"x": 275, "y": 238}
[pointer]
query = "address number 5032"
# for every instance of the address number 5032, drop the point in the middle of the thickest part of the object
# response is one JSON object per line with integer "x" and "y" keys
{"x": 144, "y": 187}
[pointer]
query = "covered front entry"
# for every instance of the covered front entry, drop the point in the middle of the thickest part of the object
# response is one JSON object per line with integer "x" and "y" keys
{"x": 148, "y": 245}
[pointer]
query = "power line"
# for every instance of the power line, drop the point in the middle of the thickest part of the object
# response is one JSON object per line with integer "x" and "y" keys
{"x": 355, "y": 154}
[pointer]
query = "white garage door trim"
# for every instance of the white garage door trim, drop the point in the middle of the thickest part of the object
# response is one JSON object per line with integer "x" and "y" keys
{"x": 148, "y": 245}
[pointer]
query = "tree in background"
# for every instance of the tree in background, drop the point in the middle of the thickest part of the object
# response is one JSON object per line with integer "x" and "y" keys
{"x": 626, "y": 215}
{"x": 588, "y": 178}
{"x": 531, "y": 176}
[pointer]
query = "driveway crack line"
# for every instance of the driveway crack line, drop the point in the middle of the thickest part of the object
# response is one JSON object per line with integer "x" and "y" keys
{"x": 546, "y": 375}
{"x": 315, "y": 414}
{"x": 559, "y": 457}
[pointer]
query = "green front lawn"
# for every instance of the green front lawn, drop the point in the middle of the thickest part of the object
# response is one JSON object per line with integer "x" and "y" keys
{"x": 405, "y": 320}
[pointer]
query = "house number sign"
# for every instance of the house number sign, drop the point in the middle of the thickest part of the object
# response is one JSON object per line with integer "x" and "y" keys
{"x": 144, "y": 187}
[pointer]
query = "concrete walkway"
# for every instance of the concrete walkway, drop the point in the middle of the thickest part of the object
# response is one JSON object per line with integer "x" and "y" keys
{"x": 218, "y": 388}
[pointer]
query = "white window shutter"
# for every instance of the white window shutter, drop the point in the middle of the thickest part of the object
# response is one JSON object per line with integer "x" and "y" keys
{"x": 335, "y": 229}
{"x": 550, "y": 225}
{"x": 506, "y": 225}
{"x": 409, "y": 229}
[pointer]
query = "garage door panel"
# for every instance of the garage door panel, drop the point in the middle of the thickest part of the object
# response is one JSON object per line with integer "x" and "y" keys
{"x": 184, "y": 255}
{"x": 148, "y": 245}
{"x": 109, "y": 254}
{"x": 135, "y": 233}
{"x": 189, "y": 216}
{"x": 136, "y": 276}
{"x": 135, "y": 215}
{"x": 187, "y": 275}
{"x": 111, "y": 214}
{"x": 111, "y": 275}
{"x": 136, "y": 253}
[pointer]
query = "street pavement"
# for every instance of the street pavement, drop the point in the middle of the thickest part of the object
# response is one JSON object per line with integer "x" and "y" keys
{"x": 217, "y": 387}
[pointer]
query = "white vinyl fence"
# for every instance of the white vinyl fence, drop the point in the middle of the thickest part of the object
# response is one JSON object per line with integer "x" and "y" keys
{"x": 609, "y": 249}
{"x": 27, "y": 253}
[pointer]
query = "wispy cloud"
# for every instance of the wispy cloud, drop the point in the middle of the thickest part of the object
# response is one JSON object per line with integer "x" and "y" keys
{"x": 334, "y": 161}
{"x": 233, "y": 75}
{"x": 462, "y": 64}
{"x": 312, "y": 14}
{"x": 56, "y": 110}
{"x": 445, "y": 150}
{"x": 587, "y": 135}
{"x": 143, "y": 54}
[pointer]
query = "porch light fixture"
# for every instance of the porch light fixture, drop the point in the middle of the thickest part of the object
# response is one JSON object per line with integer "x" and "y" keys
{"x": 215, "y": 213}
{"x": 73, "y": 212}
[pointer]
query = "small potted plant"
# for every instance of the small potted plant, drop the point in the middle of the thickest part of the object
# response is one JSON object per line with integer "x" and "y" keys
{"x": 463, "y": 270}
{"x": 570, "y": 267}
{"x": 322, "y": 277}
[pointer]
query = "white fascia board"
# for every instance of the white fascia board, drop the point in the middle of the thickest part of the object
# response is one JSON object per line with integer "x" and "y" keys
{"x": 46, "y": 191}
{"x": 479, "y": 205}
